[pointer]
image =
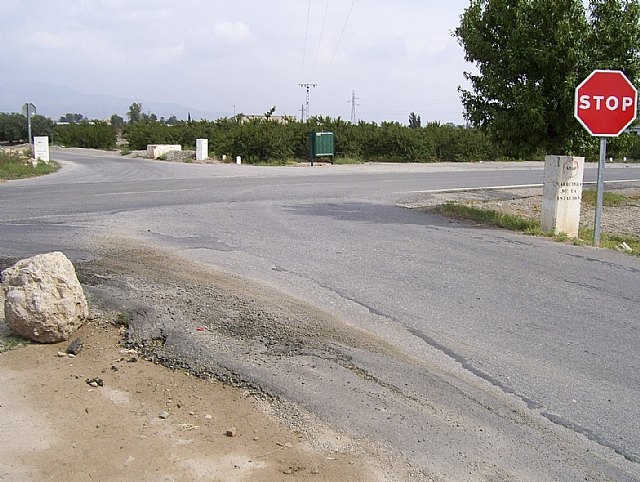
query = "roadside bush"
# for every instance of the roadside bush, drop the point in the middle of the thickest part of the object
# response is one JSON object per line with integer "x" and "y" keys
{"x": 13, "y": 127}
{"x": 261, "y": 140}
{"x": 97, "y": 135}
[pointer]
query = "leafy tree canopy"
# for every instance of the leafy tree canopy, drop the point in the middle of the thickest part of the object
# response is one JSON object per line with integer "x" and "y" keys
{"x": 135, "y": 113}
{"x": 529, "y": 57}
{"x": 72, "y": 118}
{"x": 117, "y": 121}
{"x": 414, "y": 121}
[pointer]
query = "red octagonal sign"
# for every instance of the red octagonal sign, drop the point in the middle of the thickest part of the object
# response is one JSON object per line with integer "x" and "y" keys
{"x": 606, "y": 103}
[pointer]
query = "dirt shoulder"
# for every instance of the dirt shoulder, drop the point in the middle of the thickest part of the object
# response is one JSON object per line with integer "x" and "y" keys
{"x": 146, "y": 422}
{"x": 527, "y": 202}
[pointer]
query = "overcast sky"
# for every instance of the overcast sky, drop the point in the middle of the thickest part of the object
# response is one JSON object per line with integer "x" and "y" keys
{"x": 398, "y": 56}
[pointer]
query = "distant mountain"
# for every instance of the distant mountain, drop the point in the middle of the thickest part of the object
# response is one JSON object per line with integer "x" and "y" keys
{"x": 54, "y": 101}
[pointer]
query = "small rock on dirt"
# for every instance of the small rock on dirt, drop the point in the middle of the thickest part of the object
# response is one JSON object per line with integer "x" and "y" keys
{"x": 95, "y": 382}
{"x": 75, "y": 347}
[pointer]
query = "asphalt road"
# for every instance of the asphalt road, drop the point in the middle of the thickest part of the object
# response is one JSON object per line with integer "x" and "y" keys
{"x": 551, "y": 325}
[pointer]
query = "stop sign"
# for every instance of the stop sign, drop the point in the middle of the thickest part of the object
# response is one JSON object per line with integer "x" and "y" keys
{"x": 606, "y": 103}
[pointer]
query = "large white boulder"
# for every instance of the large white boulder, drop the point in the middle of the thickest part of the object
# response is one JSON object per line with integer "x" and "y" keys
{"x": 44, "y": 300}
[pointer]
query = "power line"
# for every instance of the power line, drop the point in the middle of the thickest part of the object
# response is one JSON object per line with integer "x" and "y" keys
{"x": 324, "y": 21}
{"x": 344, "y": 27}
{"x": 306, "y": 36}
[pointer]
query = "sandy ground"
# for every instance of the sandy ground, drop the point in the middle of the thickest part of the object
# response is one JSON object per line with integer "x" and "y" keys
{"x": 54, "y": 426}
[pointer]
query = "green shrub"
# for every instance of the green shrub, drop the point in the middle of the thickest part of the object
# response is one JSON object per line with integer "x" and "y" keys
{"x": 96, "y": 135}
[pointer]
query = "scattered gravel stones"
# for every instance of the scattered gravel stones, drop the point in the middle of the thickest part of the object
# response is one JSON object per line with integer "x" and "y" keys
{"x": 95, "y": 382}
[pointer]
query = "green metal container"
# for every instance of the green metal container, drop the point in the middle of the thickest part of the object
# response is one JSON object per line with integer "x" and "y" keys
{"x": 322, "y": 144}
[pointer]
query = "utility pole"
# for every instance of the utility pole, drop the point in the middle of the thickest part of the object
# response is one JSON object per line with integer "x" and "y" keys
{"x": 308, "y": 89}
{"x": 353, "y": 106}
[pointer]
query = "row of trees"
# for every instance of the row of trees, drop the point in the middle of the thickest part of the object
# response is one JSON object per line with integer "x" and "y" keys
{"x": 13, "y": 127}
{"x": 78, "y": 133}
{"x": 264, "y": 140}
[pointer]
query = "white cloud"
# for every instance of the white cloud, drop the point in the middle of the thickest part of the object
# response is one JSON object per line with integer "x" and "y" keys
{"x": 234, "y": 33}
{"x": 48, "y": 40}
{"x": 391, "y": 50}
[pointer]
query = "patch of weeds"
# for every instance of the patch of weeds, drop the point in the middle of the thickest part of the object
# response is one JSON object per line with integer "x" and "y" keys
{"x": 276, "y": 162}
{"x": 162, "y": 157}
{"x": 12, "y": 341}
{"x": 532, "y": 227}
{"x": 560, "y": 237}
{"x": 611, "y": 241}
{"x": 348, "y": 160}
{"x": 609, "y": 198}
{"x": 18, "y": 166}
{"x": 122, "y": 320}
{"x": 489, "y": 217}
{"x": 125, "y": 151}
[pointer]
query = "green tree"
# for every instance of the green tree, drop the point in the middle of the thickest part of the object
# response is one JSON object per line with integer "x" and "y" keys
{"x": 13, "y": 127}
{"x": 135, "y": 113}
{"x": 117, "y": 121}
{"x": 42, "y": 126}
{"x": 614, "y": 39}
{"x": 96, "y": 135}
{"x": 529, "y": 57}
{"x": 414, "y": 121}
{"x": 72, "y": 118}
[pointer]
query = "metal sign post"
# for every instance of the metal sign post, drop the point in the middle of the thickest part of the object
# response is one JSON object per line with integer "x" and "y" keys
{"x": 600, "y": 191}
{"x": 29, "y": 110}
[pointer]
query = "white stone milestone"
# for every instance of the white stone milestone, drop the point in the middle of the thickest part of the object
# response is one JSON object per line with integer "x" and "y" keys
{"x": 44, "y": 300}
{"x": 202, "y": 149}
{"x": 562, "y": 194}
{"x": 41, "y": 148}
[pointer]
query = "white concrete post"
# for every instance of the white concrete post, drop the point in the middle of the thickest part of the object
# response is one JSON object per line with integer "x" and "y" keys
{"x": 202, "y": 149}
{"x": 562, "y": 194}
{"x": 41, "y": 148}
{"x": 238, "y": 160}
